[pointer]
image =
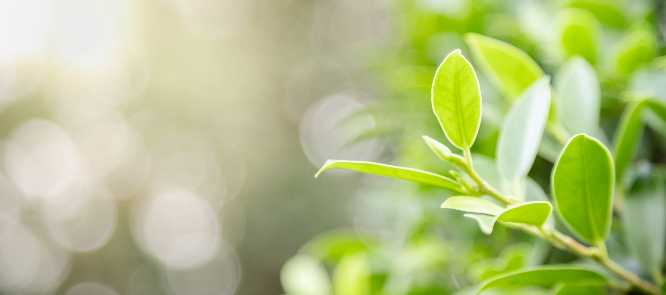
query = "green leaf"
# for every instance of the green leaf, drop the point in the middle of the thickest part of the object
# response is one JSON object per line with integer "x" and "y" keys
{"x": 456, "y": 100}
{"x": 533, "y": 213}
{"x": 510, "y": 69}
{"x": 442, "y": 151}
{"x": 579, "y": 96}
{"x": 645, "y": 222}
{"x": 304, "y": 275}
{"x": 627, "y": 136}
{"x": 486, "y": 222}
{"x": 521, "y": 131}
{"x": 579, "y": 33}
{"x": 577, "y": 290}
{"x": 545, "y": 276}
{"x": 473, "y": 205}
{"x": 352, "y": 275}
{"x": 606, "y": 13}
{"x": 633, "y": 50}
{"x": 392, "y": 171}
{"x": 583, "y": 182}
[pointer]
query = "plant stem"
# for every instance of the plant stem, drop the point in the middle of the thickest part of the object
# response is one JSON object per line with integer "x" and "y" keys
{"x": 560, "y": 240}
{"x": 558, "y": 132}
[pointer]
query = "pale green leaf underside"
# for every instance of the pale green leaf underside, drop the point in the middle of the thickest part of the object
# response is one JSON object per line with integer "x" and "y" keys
{"x": 521, "y": 131}
{"x": 545, "y": 276}
{"x": 510, "y": 69}
{"x": 578, "y": 96}
{"x": 456, "y": 100}
{"x": 486, "y": 222}
{"x": 472, "y": 205}
{"x": 392, "y": 171}
{"x": 583, "y": 181}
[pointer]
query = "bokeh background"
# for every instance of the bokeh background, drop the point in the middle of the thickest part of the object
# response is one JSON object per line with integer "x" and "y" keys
{"x": 169, "y": 146}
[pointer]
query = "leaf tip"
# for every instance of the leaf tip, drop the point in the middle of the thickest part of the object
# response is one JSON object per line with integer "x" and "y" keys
{"x": 324, "y": 167}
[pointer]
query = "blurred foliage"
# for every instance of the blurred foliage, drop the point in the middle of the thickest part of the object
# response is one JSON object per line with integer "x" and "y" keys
{"x": 414, "y": 247}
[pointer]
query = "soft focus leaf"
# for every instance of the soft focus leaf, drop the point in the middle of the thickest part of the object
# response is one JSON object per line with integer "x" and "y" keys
{"x": 579, "y": 33}
{"x": 583, "y": 182}
{"x": 521, "y": 131}
{"x": 352, "y": 275}
{"x": 473, "y": 205}
{"x": 512, "y": 258}
{"x": 305, "y": 275}
{"x": 510, "y": 69}
{"x": 627, "y": 136}
{"x": 605, "y": 12}
{"x": 486, "y": 222}
{"x": 456, "y": 100}
{"x": 645, "y": 222}
{"x": 392, "y": 171}
{"x": 579, "y": 290}
{"x": 545, "y": 276}
{"x": 442, "y": 151}
{"x": 578, "y": 96}
{"x": 533, "y": 213}
{"x": 634, "y": 49}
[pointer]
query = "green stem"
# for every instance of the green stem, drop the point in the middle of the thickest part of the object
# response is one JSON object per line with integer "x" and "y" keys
{"x": 558, "y": 239}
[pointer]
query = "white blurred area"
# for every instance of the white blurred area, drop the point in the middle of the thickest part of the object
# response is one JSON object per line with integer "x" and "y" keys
{"x": 64, "y": 173}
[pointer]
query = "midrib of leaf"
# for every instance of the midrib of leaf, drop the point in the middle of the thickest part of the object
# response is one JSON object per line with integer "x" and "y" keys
{"x": 458, "y": 105}
{"x": 587, "y": 190}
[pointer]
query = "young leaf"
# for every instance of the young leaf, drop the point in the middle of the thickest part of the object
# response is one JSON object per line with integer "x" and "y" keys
{"x": 456, "y": 100}
{"x": 627, "y": 136}
{"x": 545, "y": 276}
{"x": 521, "y": 131}
{"x": 579, "y": 33}
{"x": 442, "y": 151}
{"x": 510, "y": 69}
{"x": 583, "y": 182}
{"x": 645, "y": 222}
{"x": 352, "y": 275}
{"x": 486, "y": 222}
{"x": 473, "y": 205}
{"x": 634, "y": 49}
{"x": 304, "y": 274}
{"x": 578, "y": 96}
{"x": 392, "y": 171}
{"x": 533, "y": 213}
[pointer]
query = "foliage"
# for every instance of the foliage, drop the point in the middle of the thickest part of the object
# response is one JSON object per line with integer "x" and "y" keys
{"x": 611, "y": 207}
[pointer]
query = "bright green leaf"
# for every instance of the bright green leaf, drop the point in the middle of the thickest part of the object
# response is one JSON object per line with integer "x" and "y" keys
{"x": 605, "y": 12}
{"x": 579, "y": 96}
{"x": 545, "y": 276}
{"x": 442, "y": 151}
{"x": 304, "y": 275}
{"x": 533, "y": 213}
{"x": 456, "y": 100}
{"x": 473, "y": 205}
{"x": 627, "y": 136}
{"x": 645, "y": 222}
{"x": 510, "y": 69}
{"x": 633, "y": 50}
{"x": 392, "y": 171}
{"x": 583, "y": 182}
{"x": 352, "y": 275}
{"x": 579, "y": 33}
{"x": 521, "y": 131}
{"x": 486, "y": 222}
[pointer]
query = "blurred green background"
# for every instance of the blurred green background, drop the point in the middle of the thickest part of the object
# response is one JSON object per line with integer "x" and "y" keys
{"x": 169, "y": 146}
